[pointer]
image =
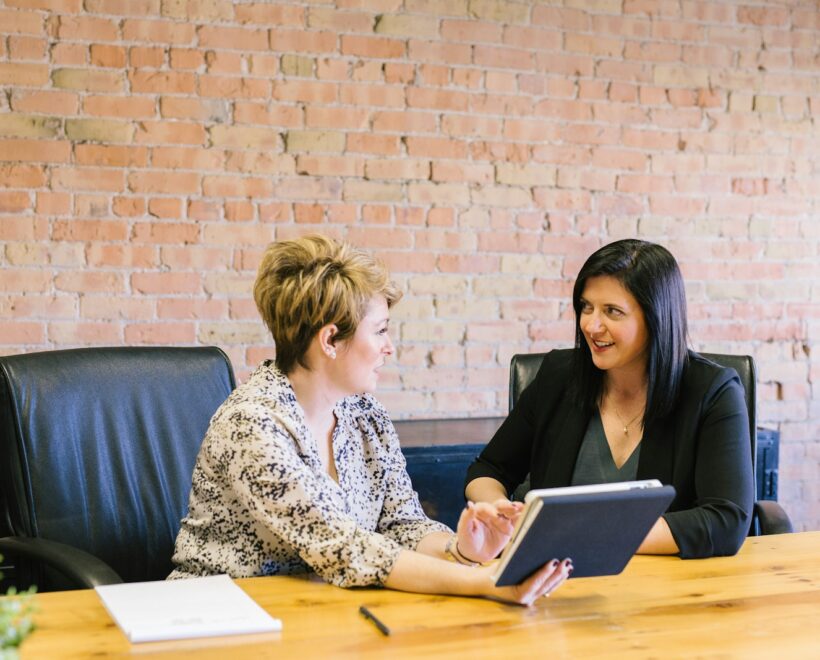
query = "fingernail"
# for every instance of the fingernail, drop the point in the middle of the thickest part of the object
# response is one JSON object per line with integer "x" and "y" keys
{"x": 554, "y": 564}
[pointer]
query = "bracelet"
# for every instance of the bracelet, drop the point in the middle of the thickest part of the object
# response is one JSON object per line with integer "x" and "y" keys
{"x": 452, "y": 553}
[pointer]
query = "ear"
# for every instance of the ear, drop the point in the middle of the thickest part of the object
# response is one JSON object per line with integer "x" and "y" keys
{"x": 327, "y": 339}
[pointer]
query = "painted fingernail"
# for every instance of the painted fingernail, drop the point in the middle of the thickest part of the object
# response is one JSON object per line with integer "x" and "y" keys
{"x": 554, "y": 564}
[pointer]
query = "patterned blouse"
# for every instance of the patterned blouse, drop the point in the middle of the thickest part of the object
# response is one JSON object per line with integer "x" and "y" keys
{"x": 262, "y": 504}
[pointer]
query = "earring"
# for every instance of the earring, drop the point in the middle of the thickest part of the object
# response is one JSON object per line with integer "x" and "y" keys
{"x": 331, "y": 353}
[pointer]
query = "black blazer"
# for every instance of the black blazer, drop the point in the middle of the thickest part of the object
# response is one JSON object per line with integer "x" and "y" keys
{"x": 702, "y": 448}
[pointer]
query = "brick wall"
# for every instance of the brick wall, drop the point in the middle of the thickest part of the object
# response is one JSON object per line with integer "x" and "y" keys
{"x": 150, "y": 149}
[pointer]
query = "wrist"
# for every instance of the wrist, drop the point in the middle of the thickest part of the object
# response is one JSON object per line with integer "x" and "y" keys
{"x": 452, "y": 553}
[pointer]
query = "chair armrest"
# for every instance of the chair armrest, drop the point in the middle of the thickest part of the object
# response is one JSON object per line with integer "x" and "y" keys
{"x": 772, "y": 518}
{"x": 82, "y": 568}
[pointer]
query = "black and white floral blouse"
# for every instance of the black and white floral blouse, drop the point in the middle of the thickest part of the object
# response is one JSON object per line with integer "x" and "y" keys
{"x": 262, "y": 504}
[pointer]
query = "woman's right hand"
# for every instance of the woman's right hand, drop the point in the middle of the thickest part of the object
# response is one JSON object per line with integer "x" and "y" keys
{"x": 541, "y": 583}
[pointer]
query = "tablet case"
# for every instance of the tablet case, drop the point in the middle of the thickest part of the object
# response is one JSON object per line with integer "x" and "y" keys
{"x": 599, "y": 531}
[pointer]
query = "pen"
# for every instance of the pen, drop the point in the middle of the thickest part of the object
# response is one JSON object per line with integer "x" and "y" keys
{"x": 367, "y": 614}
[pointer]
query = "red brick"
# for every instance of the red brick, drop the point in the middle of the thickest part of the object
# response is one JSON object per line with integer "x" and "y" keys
{"x": 183, "y": 309}
{"x": 134, "y": 107}
{"x": 21, "y": 176}
{"x": 164, "y": 182}
{"x": 88, "y": 178}
{"x": 186, "y": 58}
{"x": 42, "y": 101}
{"x": 305, "y": 90}
{"x": 224, "y": 62}
{"x": 164, "y": 207}
{"x": 128, "y": 207}
{"x": 86, "y": 28}
{"x": 763, "y": 15}
{"x": 386, "y": 96}
{"x": 146, "y": 57}
{"x": 83, "y": 333}
{"x": 158, "y": 31}
{"x": 107, "y": 56}
{"x": 161, "y": 82}
{"x": 342, "y": 118}
{"x": 162, "y": 132}
{"x": 89, "y": 230}
{"x": 234, "y": 186}
{"x": 122, "y": 256}
{"x": 160, "y": 333}
{"x": 419, "y": 147}
{"x": 166, "y": 283}
{"x": 302, "y": 41}
{"x": 366, "y": 46}
{"x": 97, "y": 282}
{"x": 508, "y": 58}
{"x": 187, "y": 158}
{"x": 232, "y": 38}
{"x": 254, "y": 112}
{"x": 472, "y": 31}
{"x": 35, "y": 151}
{"x": 369, "y": 143}
{"x": 262, "y": 13}
{"x": 171, "y": 233}
{"x": 22, "y": 22}
{"x": 50, "y": 203}
{"x": 26, "y": 48}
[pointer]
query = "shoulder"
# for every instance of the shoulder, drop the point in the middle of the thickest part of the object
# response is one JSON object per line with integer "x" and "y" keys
{"x": 556, "y": 366}
{"x": 365, "y": 410}
{"x": 265, "y": 399}
{"x": 703, "y": 378}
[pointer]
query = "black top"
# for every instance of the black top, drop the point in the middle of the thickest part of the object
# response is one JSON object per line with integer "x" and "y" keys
{"x": 702, "y": 449}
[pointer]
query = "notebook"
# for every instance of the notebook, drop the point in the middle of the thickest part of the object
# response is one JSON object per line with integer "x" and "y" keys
{"x": 599, "y": 527}
{"x": 180, "y": 609}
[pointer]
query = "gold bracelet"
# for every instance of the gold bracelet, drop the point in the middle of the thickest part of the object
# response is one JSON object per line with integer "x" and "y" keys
{"x": 452, "y": 553}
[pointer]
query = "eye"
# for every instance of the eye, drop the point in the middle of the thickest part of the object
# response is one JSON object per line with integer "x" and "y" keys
{"x": 614, "y": 311}
{"x": 384, "y": 330}
{"x": 586, "y": 308}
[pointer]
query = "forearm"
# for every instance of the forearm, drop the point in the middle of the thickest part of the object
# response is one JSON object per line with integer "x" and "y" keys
{"x": 433, "y": 544}
{"x": 421, "y": 573}
{"x": 485, "y": 489}
{"x": 659, "y": 541}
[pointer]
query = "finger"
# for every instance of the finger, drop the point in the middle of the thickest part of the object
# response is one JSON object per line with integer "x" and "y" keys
{"x": 558, "y": 577}
{"x": 534, "y": 586}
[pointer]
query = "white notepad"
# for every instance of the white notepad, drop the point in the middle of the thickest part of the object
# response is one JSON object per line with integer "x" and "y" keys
{"x": 181, "y": 609}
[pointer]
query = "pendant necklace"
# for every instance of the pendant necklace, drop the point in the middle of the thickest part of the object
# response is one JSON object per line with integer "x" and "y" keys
{"x": 626, "y": 424}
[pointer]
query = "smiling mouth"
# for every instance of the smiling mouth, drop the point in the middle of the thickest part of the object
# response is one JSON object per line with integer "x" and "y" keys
{"x": 602, "y": 344}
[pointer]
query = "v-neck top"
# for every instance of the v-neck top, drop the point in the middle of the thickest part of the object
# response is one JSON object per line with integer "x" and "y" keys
{"x": 595, "y": 464}
{"x": 261, "y": 502}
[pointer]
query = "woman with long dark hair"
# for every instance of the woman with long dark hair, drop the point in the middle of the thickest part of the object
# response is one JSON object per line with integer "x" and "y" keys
{"x": 631, "y": 402}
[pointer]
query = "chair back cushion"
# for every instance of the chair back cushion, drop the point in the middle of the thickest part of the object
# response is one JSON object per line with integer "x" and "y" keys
{"x": 98, "y": 447}
{"x": 523, "y": 368}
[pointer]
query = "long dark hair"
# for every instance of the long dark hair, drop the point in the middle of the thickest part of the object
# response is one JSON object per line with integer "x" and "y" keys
{"x": 650, "y": 273}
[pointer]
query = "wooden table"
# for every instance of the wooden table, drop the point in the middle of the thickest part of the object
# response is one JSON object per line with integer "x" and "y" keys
{"x": 765, "y": 602}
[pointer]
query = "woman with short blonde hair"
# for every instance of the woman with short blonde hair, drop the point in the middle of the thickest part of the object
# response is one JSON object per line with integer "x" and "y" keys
{"x": 301, "y": 469}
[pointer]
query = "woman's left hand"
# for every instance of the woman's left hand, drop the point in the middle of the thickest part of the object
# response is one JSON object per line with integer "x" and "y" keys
{"x": 484, "y": 528}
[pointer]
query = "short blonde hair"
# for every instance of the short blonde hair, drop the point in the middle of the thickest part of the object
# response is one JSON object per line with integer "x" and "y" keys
{"x": 309, "y": 282}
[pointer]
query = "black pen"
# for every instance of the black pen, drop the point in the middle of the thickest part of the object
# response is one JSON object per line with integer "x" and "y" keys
{"x": 367, "y": 614}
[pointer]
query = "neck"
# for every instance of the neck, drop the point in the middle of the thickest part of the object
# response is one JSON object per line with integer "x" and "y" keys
{"x": 626, "y": 384}
{"x": 315, "y": 394}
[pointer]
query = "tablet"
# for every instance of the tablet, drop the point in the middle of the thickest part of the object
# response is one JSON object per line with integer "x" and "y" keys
{"x": 599, "y": 527}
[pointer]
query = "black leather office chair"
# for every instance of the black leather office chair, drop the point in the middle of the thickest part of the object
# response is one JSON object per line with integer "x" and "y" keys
{"x": 97, "y": 448}
{"x": 769, "y": 517}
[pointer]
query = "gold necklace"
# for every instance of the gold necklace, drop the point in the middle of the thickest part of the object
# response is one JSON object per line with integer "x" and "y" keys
{"x": 626, "y": 424}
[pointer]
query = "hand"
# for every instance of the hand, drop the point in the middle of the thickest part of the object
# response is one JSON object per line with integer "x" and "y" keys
{"x": 541, "y": 583}
{"x": 485, "y": 528}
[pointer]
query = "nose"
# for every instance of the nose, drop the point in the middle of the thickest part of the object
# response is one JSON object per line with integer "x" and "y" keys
{"x": 388, "y": 347}
{"x": 593, "y": 323}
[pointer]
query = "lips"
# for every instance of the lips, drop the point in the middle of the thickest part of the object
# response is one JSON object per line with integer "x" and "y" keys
{"x": 601, "y": 345}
